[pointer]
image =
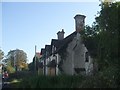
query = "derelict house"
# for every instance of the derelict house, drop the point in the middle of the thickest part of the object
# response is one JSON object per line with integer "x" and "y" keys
{"x": 67, "y": 55}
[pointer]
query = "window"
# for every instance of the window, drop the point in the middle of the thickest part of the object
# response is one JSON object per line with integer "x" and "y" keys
{"x": 86, "y": 57}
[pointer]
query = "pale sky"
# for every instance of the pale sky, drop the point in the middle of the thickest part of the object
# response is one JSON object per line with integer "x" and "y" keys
{"x": 26, "y": 24}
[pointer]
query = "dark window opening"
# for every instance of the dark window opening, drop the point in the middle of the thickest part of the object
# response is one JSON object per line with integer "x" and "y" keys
{"x": 78, "y": 70}
{"x": 86, "y": 57}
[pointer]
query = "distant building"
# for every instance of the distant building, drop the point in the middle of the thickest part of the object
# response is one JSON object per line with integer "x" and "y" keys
{"x": 67, "y": 55}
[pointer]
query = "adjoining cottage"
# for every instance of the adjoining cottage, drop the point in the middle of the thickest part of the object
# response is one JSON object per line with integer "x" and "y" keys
{"x": 67, "y": 55}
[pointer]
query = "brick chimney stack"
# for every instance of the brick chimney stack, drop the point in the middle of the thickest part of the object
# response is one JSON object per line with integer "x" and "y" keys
{"x": 60, "y": 34}
{"x": 79, "y": 22}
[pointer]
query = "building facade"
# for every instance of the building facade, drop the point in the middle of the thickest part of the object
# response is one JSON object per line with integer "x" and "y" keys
{"x": 68, "y": 55}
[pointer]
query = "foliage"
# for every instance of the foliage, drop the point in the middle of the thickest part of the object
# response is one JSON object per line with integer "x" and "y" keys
{"x": 90, "y": 38}
{"x": 31, "y": 66}
{"x": 102, "y": 41}
{"x": 1, "y": 54}
{"x": 10, "y": 69}
{"x": 17, "y": 58}
{"x": 103, "y": 36}
{"x": 103, "y": 79}
{"x": 51, "y": 82}
{"x": 16, "y": 77}
{"x": 109, "y": 35}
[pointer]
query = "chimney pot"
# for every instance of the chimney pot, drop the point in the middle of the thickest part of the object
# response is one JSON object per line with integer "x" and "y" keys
{"x": 60, "y": 34}
{"x": 79, "y": 22}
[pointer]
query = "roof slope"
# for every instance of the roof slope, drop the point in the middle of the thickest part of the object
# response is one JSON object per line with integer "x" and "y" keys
{"x": 63, "y": 43}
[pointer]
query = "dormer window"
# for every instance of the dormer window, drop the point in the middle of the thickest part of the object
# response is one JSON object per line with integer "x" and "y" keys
{"x": 86, "y": 57}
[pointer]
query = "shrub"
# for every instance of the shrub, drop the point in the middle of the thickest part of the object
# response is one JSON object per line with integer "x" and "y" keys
{"x": 106, "y": 78}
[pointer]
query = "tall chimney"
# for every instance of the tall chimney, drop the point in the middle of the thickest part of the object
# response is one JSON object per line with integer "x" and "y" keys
{"x": 60, "y": 34}
{"x": 79, "y": 22}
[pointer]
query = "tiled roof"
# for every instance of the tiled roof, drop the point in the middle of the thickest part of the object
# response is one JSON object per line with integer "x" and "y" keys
{"x": 48, "y": 50}
{"x": 43, "y": 51}
{"x": 60, "y": 44}
{"x": 63, "y": 43}
{"x": 57, "y": 43}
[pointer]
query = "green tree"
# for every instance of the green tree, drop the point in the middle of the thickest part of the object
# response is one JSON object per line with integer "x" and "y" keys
{"x": 17, "y": 59}
{"x": 102, "y": 40}
{"x": 90, "y": 38}
{"x": 1, "y": 54}
{"x": 109, "y": 35}
{"x": 109, "y": 24}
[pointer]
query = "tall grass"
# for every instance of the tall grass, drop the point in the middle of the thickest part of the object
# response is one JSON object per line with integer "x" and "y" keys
{"x": 103, "y": 79}
{"x": 51, "y": 82}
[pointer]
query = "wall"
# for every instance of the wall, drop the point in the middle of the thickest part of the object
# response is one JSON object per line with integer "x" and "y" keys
{"x": 79, "y": 55}
{"x": 52, "y": 70}
{"x": 47, "y": 68}
{"x": 68, "y": 62}
{"x": 89, "y": 66}
{"x": 75, "y": 57}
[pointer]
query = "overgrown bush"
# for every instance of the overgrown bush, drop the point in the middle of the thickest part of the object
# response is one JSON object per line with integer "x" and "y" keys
{"x": 106, "y": 78}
